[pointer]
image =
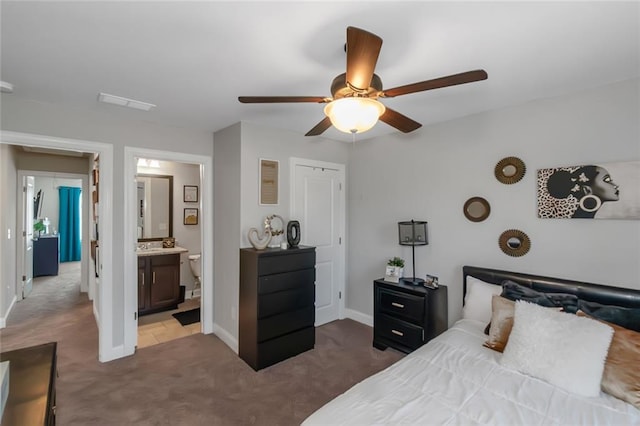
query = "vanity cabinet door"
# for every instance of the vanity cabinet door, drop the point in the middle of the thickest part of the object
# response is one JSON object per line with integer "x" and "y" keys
{"x": 164, "y": 288}
{"x": 143, "y": 294}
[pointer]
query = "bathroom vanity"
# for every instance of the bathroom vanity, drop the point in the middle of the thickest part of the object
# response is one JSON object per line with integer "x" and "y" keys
{"x": 158, "y": 279}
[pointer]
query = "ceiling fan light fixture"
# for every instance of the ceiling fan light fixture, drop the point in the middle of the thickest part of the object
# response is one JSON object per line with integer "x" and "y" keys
{"x": 354, "y": 114}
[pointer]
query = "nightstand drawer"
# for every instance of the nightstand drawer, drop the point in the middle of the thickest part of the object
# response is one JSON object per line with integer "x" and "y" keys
{"x": 404, "y": 333}
{"x": 402, "y": 304}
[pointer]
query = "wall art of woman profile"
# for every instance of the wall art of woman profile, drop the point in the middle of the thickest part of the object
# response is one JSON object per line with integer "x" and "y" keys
{"x": 593, "y": 191}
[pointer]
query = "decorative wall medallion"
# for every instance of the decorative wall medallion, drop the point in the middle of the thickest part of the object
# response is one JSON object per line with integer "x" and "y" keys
{"x": 510, "y": 170}
{"x": 514, "y": 242}
{"x": 293, "y": 233}
{"x": 476, "y": 209}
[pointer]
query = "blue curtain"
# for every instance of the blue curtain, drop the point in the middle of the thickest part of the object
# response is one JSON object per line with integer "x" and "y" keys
{"x": 69, "y": 224}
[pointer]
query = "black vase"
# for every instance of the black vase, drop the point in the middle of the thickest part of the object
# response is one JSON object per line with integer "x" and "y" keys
{"x": 293, "y": 233}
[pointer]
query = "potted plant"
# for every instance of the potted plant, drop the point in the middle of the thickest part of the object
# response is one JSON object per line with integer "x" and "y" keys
{"x": 38, "y": 227}
{"x": 395, "y": 269}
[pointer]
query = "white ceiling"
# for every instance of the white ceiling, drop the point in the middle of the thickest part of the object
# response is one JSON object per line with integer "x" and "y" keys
{"x": 193, "y": 59}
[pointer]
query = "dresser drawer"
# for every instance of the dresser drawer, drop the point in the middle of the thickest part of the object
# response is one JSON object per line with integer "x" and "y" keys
{"x": 286, "y": 281}
{"x": 285, "y": 301}
{"x": 404, "y": 333}
{"x": 268, "y": 265}
{"x": 283, "y": 347}
{"x": 277, "y": 325}
{"x": 401, "y": 304}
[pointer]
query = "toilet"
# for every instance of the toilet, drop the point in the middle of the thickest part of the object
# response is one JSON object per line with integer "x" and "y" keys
{"x": 194, "y": 263}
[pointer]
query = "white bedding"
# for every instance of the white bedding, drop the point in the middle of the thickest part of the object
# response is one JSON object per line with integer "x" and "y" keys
{"x": 454, "y": 380}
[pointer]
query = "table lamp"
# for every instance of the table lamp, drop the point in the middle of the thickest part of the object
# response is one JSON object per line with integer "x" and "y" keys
{"x": 413, "y": 233}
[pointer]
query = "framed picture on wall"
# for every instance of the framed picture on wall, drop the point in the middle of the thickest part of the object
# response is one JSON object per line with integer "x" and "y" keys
{"x": 190, "y": 216}
{"x": 190, "y": 194}
{"x": 268, "y": 182}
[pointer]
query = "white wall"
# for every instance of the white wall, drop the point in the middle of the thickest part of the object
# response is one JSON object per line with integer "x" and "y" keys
{"x": 227, "y": 191}
{"x": 429, "y": 175}
{"x": 51, "y": 204}
{"x": 187, "y": 236}
{"x": 8, "y": 229}
{"x": 99, "y": 125}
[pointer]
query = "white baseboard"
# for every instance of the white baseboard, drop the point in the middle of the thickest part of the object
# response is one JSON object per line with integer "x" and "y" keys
{"x": 226, "y": 337}
{"x": 3, "y": 320}
{"x": 112, "y": 353}
{"x": 359, "y": 316}
{"x": 96, "y": 315}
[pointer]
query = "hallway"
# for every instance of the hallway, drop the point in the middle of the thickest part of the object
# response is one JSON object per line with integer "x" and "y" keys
{"x": 54, "y": 311}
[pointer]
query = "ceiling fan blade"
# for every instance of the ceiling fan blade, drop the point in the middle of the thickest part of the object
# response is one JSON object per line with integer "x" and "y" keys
{"x": 320, "y": 127}
{"x": 451, "y": 80}
{"x": 399, "y": 121}
{"x": 363, "y": 49}
{"x": 276, "y": 99}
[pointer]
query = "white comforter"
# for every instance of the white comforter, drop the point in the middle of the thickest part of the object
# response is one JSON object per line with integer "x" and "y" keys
{"x": 454, "y": 380}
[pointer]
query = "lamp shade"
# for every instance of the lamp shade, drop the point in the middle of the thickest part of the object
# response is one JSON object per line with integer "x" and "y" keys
{"x": 355, "y": 114}
{"x": 413, "y": 233}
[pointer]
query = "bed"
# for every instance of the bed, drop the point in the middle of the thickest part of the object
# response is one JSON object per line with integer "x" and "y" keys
{"x": 454, "y": 379}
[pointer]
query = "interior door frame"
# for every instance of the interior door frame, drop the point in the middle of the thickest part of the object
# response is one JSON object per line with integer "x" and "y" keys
{"x": 341, "y": 219}
{"x": 131, "y": 155}
{"x": 86, "y": 244}
{"x": 21, "y": 249}
{"x": 103, "y": 307}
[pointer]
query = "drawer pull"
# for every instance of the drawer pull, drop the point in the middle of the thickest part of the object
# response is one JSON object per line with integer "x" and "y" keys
{"x": 397, "y": 333}
{"x": 397, "y": 305}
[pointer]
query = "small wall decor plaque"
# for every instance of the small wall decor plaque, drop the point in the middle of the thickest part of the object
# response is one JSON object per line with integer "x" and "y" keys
{"x": 268, "y": 182}
{"x": 190, "y": 216}
{"x": 190, "y": 194}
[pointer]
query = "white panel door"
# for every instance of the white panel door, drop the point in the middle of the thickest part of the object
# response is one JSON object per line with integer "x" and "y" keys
{"x": 27, "y": 235}
{"x": 317, "y": 205}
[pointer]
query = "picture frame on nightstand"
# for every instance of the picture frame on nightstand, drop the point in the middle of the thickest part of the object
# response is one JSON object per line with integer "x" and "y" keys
{"x": 431, "y": 281}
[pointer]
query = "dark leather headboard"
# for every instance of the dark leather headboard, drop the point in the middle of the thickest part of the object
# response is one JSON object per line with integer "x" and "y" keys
{"x": 604, "y": 294}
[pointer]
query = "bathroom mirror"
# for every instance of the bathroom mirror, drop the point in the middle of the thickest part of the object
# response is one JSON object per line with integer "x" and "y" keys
{"x": 154, "y": 207}
{"x": 510, "y": 170}
{"x": 514, "y": 242}
{"x": 476, "y": 209}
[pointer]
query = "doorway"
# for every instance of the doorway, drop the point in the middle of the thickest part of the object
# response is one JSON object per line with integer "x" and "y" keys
{"x": 103, "y": 303}
{"x": 45, "y": 185}
{"x": 318, "y": 202}
{"x": 204, "y": 206}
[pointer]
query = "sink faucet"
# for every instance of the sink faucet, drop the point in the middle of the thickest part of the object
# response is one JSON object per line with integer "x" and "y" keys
{"x": 142, "y": 246}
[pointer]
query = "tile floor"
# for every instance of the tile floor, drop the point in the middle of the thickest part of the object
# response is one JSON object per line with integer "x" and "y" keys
{"x": 163, "y": 327}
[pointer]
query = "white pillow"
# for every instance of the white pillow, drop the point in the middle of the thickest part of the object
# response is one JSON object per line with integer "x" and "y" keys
{"x": 563, "y": 349}
{"x": 477, "y": 301}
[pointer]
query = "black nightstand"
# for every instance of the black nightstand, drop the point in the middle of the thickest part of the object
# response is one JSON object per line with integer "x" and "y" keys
{"x": 407, "y": 316}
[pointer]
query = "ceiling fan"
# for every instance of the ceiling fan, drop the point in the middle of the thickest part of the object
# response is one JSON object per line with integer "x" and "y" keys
{"x": 361, "y": 86}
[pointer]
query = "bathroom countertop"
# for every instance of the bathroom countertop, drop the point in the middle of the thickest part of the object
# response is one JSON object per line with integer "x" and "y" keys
{"x": 160, "y": 251}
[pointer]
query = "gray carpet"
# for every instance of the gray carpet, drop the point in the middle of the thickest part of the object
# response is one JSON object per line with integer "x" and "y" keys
{"x": 196, "y": 380}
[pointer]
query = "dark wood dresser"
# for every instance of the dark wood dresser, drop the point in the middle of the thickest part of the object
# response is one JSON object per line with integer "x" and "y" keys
{"x": 277, "y": 297}
{"x": 407, "y": 316}
{"x": 46, "y": 255}
{"x": 32, "y": 386}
